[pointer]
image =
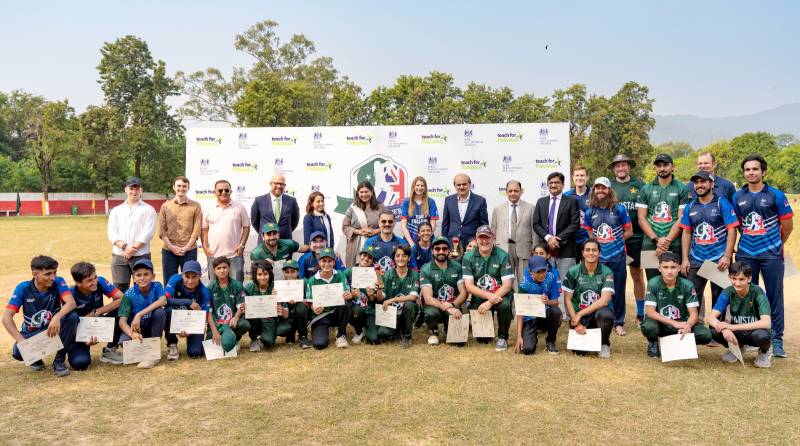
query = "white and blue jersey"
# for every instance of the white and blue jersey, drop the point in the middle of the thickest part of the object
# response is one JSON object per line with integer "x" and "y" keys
{"x": 550, "y": 287}
{"x": 38, "y": 307}
{"x": 583, "y": 205}
{"x": 309, "y": 265}
{"x": 760, "y": 214}
{"x": 722, "y": 188}
{"x": 383, "y": 251}
{"x": 708, "y": 224}
{"x": 179, "y": 298}
{"x": 86, "y": 304}
{"x": 608, "y": 227}
{"x": 134, "y": 301}
{"x": 413, "y": 221}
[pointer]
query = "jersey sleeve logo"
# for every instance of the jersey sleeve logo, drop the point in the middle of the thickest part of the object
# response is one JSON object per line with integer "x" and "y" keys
{"x": 671, "y": 312}
{"x": 588, "y": 297}
{"x": 386, "y": 263}
{"x": 704, "y": 234}
{"x": 583, "y": 218}
{"x": 224, "y": 314}
{"x": 604, "y": 233}
{"x": 662, "y": 213}
{"x": 753, "y": 224}
{"x": 488, "y": 283}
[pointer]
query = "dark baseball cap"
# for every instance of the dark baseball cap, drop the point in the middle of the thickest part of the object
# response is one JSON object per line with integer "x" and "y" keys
{"x": 143, "y": 263}
{"x": 439, "y": 240}
{"x": 537, "y": 263}
{"x": 269, "y": 227}
{"x": 663, "y": 158}
{"x": 192, "y": 266}
{"x": 316, "y": 234}
{"x": 484, "y": 230}
{"x": 133, "y": 181}
{"x": 619, "y": 158}
{"x": 291, "y": 264}
{"x": 702, "y": 175}
{"x": 326, "y": 252}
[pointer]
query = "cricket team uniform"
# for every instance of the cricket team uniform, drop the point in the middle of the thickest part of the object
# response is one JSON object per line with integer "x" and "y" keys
{"x": 662, "y": 204}
{"x": 268, "y": 329}
{"x": 745, "y": 310}
{"x": 444, "y": 288}
{"x": 309, "y": 265}
{"x": 393, "y": 286}
{"x": 627, "y": 194}
{"x": 414, "y": 221}
{"x": 134, "y": 301}
{"x": 488, "y": 274}
{"x": 224, "y": 303}
{"x": 338, "y": 316}
{"x": 84, "y": 305}
{"x": 672, "y": 303}
{"x": 284, "y": 251}
{"x": 383, "y": 251}
{"x": 358, "y": 318}
{"x": 420, "y": 256}
{"x": 551, "y": 288}
{"x": 586, "y": 289}
{"x": 179, "y": 298}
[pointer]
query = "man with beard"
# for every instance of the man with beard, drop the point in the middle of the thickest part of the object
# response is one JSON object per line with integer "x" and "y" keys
{"x": 722, "y": 187}
{"x": 442, "y": 285}
{"x": 385, "y": 242}
{"x": 660, "y": 208}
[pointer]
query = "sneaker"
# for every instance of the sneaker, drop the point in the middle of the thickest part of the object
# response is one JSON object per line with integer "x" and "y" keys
{"x": 405, "y": 342}
{"x": 777, "y": 348}
{"x": 172, "y": 352}
{"x": 551, "y": 348}
{"x": 605, "y": 351}
{"x": 38, "y": 366}
{"x": 60, "y": 369}
{"x": 652, "y": 349}
{"x": 357, "y": 338}
{"x": 148, "y": 364}
{"x": 304, "y": 342}
{"x": 111, "y": 355}
{"x": 433, "y": 339}
{"x": 501, "y": 346}
{"x": 255, "y": 346}
{"x": 713, "y": 344}
{"x": 763, "y": 360}
{"x": 620, "y": 330}
{"x": 750, "y": 349}
{"x": 728, "y": 357}
{"x": 341, "y": 342}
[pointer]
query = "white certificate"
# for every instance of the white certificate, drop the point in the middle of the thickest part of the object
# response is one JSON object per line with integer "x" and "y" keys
{"x": 708, "y": 270}
{"x": 458, "y": 329}
{"x": 100, "y": 328}
{"x": 37, "y": 347}
{"x": 364, "y": 277}
{"x": 329, "y": 295}
{"x": 736, "y": 352}
{"x": 189, "y": 321}
{"x": 649, "y": 260}
{"x": 214, "y": 351}
{"x": 148, "y": 349}
{"x": 482, "y": 324}
{"x": 260, "y": 307}
{"x": 289, "y": 290}
{"x": 589, "y": 342}
{"x": 277, "y": 269}
{"x": 386, "y": 318}
{"x": 529, "y": 305}
{"x": 675, "y": 349}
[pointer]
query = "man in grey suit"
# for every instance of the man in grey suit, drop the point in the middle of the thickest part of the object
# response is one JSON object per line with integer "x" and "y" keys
{"x": 512, "y": 224}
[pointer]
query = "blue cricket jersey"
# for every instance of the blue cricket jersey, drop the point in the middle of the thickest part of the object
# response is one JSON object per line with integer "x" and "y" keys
{"x": 38, "y": 307}
{"x": 708, "y": 224}
{"x": 759, "y": 214}
{"x": 86, "y": 304}
{"x": 583, "y": 205}
{"x": 179, "y": 298}
{"x": 608, "y": 227}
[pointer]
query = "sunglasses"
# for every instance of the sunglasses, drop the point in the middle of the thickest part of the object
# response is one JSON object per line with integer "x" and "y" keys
{"x": 223, "y": 191}
{"x": 387, "y": 221}
{"x": 441, "y": 248}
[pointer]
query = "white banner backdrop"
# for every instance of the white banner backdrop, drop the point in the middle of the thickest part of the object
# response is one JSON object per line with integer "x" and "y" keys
{"x": 333, "y": 160}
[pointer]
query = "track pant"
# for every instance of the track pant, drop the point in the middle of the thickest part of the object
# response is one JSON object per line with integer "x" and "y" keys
{"x": 228, "y": 336}
{"x": 270, "y": 328}
{"x": 652, "y": 330}
{"x": 620, "y": 281}
{"x": 359, "y": 318}
{"x": 339, "y": 317}
{"x": 602, "y": 319}
{"x": 760, "y": 338}
{"x": 503, "y": 311}
{"x": 771, "y": 270}
{"x": 152, "y": 327}
{"x": 548, "y": 324}
{"x": 194, "y": 342}
{"x": 405, "y": 324}
{"x": 69, "y": 326}
{"x": 434, "y": 316}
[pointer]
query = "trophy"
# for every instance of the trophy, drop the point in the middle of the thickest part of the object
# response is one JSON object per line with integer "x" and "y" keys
{"x": 456, "y": 251}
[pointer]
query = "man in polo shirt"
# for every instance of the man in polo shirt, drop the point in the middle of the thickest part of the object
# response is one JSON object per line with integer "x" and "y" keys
{"x": 385, "y": 242}
{"x": 489, "y": 277}
{"x": 88, "y": 293}
{"x": 225, "y": 229}
{"x": 179, "y": 223}
{"x": 131, "y": 226}
{"x": 184, "y": 291}
{"x": 441, "y": 282}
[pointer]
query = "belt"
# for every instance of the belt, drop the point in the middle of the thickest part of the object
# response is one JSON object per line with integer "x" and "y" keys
{"x": 511, "y": 242}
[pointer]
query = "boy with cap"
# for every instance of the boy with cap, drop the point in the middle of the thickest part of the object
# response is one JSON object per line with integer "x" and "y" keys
{"x": 671, "y": 306}
{"x": 143, "y": 304}
{"x": 360, "y": 295}
{"x": 298, "y": 311}
{"x": 401, "y": 289}
{"x": 441, "y": 282}
{"x": 264, "y": 331}
{"x": 227, "y": 326}
{"x": 273, "y": 247}
{"x": 488, "y": 277}
{"x": 544, "y": 283}
{"x": 184, "y": 291}
{"x": 751, "y": 322}
{"x": 327, "y": 317}
{"x": 88, "y": 292}
{"x": 309, "y": 263}
{"x": 47, "y": 304}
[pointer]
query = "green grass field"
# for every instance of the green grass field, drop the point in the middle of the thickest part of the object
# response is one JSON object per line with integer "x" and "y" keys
{"x": 382, "y": 394}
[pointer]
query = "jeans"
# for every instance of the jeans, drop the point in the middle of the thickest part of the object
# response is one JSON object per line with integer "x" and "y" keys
{"x": 150, "y": 327}
{"x": 170, "y": 262}
{"x": 320, "y": 326}
{"x": 194, "y": 342}
{"x": 236, "y": 270}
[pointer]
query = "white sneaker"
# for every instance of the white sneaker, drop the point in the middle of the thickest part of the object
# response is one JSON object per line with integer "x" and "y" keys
{"x": 357, "y": 338}
{"x": 172, "y": 352}
{"x": 728, "y": 357}
{"x": 148, "y": 364}
{"x": 605, "y": 351}
{"x": 255, "y": 346}
{"x": 341, "y": 342}
{"x": 763, "y": 360}
{"x": 433, "y": 340}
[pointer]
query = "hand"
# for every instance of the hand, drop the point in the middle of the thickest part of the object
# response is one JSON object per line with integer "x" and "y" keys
{"x": 724, "y": 263}
{"x": 216, "y": 337}
{"x": 183, "y": 334}
{"x": 580, "y": 329}
{"x": 484, "y": 307}
{"x": 684, "y": 330}
{"x": 129, "y": 252}
{"x": 242, "y": 307}
{"x": 136, "y": 336}
{"x": 283, "y": 311}
{"x": 55, "y": 326}
{"x": 663, "y": 243}
{"x": 544, "y": 299}
{"x": 574, "y": 321}
{"x": 208, "y": 252}
{"x": 175, "y": 250}
{"x": 386, "y": 303}
{"x": 553, "y": 242}
{"x": 455, "y": 312}
{"x": 678, "y": 325}
{"x": 347, "y": 295}
{"x": 685, "y": 266}
{"x": 318, "y": 310}
{"x": 370, "y": 292}
{"x": 234, "y": 322}
{"x": 730, "y": 337}
{"x": 722, "y": 326}
{"x": 194, "y": 306}
{"x": 239, "y": 250}
{"x": 136, "y": 324}
{"x": 518, "y": 345}
{"x": 92, "y": 341}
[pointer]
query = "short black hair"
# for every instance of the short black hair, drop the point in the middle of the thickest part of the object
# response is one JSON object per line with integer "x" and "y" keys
{"x": 590, "y": 241}
{"x": 219, "y": 261}
{"x": 740, "y": 268}
{"x": 43, "y": 263}
{"x": 668, "y": 256}
{"x": 754, "y": 157}
{"x": 82, "y": 270}
{"x": 405, "y": 248}
{"x": 425, "y": 223}
{"x": 544, "y": 246}
{"x": 555, "y": 174}
{"x": 262, "y": 265}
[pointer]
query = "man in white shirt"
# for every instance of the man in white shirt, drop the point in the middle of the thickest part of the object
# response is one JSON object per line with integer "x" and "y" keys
{"x": 512, "y": 224}
{"x": 131, "y": 226}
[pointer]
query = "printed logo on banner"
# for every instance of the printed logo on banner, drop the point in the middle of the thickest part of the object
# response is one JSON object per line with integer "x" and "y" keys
{"x": 501, "y": 191}
{"x": 315, "y": 188}
{"x": 469, "y": 140}
{"x": 358, "y": 140}
{"x": 438, "y": 192}
{"x": 548, "y": 163}
{"x": 319, "y": 141}
{"x": 433, "y": 165}
{"x": 242, "y": 194}
{"x": 204, "y": 194}
{"x": 243, "y": 142}
{"x": 244, "y": 167}
{"x": 319, "y": 166}
{"x": 473, "y": 164}
{"x": 509, "y": 165}
{"x": 388, "y": 177}
{"x": 284, "y": 141}
{"x": 434, "y": 138}
{"x": 509, "y": 137}
{"x": 543, "y": 190}
{"x": 208, "y": 141}
{"x": 279, "y": 167}
{"x": 544, "y": 137}
{"x": 393, "y": 140}
{"x": 206, "y": 167}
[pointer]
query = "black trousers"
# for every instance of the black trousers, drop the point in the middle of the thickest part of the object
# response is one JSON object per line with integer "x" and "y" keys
{"x": 548, "y": 324}
{"x": 320, "y": 327}
{"x": 760, "y": 338}
{"x": 602, "y": 319}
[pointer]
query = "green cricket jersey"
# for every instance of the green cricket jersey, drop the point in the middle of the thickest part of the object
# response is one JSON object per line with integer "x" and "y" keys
{"x": 672, "y": 303}
{"x": 284, "y": 252}
{"x": 316, "y": 279}
{"x": 586, "y": 288}
{"x": 627, "y": 194}
{"x": 225, "y": 300}
{"x": 662, "y": 204}
{"x": 488, "y": 272}
{"x": 444, "y": 283}
{"x": 744, "y": 310}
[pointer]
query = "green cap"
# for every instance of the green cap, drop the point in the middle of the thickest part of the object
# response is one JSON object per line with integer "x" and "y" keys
{"x": 326, "y": 252}
{"x": 369, "y": 250}
{"x": 440, "y": 239}
{"x": 291, "y": 264}
{"x": 269, "y": 227}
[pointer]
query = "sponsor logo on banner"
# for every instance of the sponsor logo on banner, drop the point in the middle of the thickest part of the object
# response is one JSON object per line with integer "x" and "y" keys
{"x": 319, "y": 141}
{"x": 388, "y": 177}
{"x": 315, "y": 188}
{"x": 204, "y": 194}
{"x": 283, "y": 141}
{"x": 244, "y": 167}
{"x": 469, "y": 139}
{"x": 358, "y": 140}
{"x": 243, "y": 142}
{"x": 548, "y": 163}
{"x": 473, "y": 164}
{"x": 433, "y": 165}
{"x": 544, "y": 191}
{"x": 438, "y": 192}
{"x": 434, "y": 138}
{"x": 279, "y": 167}
{"x": 501, "y": 191}
{"x": 393, "y": 140}
{"x": 509, "y": 137}
{"x": 544, "y": 137}
{"x": 206, "y": 168}
{"x": 242, "y": 193}
{"x": 208, "y": 141}
{"x": 509, "y": 165}
{"x": 319, "y": 166}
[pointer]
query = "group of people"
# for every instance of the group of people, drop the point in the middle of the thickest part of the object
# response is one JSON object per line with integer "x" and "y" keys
{"x": 570, "y": 248}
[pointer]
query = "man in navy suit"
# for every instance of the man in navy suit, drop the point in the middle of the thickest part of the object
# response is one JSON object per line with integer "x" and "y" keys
{"x": 266, "y": 207}
{"x": 464, "y": 211}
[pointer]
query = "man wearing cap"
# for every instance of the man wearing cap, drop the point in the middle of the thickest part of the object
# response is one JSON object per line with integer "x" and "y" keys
{"x": 488, "y": 277}
{"x": 327, "y": 317}
{"x": 131, "y": 226}
{"x": 706, "y": 162}
{"x": 358, "y": 319}
{"x": 385, "y": 242}
{"x": 512, "y": 223}
{"x": 660, "y": 207}
{"x": 538, "y": 280}
{"x": 184, "y": 291}
{"x": 580, "y": 190}
{"x": 709, "y": 233}
{"x": 441, "y": 282}
{"x": 607, "y": 222}
{"x": 276, "y": 207}
{"x": 463, "y": 211}
{"x": 179, "y": 223}
{"x": 309, "y": 262}
{"x": 224, "y": 230}
{"x": 143, "y": 305}
{"x": 274, "y": 248}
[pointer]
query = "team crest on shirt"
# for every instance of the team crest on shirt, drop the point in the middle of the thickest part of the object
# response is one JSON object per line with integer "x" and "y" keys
{"x": 41, "y": 319}
{"x": 634, "y": 189}
{"x": 604, "y": 233}
{"x": 753, "y": 224}
{"x": 583, "y": 218}
{"x": 224, "y": 314}
{"x": 487, "y": 283}
{"x": 446, "y": 293}
{"x": 671, "y": 312}
{"x": 385, "y": 263}
{"x": 588, "y": 297}
{"x": 662, "y": 213}
{"x": 704, "y": 234}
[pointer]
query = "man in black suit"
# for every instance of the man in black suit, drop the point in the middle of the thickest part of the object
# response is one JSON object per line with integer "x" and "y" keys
{"x": 555, "y": 220}
{"x": 464, "y": 211}
{"x": 266, "y": 207}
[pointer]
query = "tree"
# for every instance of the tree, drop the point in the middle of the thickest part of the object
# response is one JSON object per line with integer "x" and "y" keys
{"x": 528, "y": 108}
{"x": 484, "y": 104}
{"x": 676, "y": 149}
{"x": 210, "y": 95}
{"x": 51, "y": 133}
{"x": 103, "y": 151}
{"x": 784, "y": 169}
{"x": 269, "y": 101}
{"x": 347, "y": 105}
{"x": 414, "y": 100}
{"x": 18, "y": 111}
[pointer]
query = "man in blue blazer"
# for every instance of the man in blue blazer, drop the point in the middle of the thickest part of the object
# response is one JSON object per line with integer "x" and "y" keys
{"x": 266, "y": 207}
{"x": 464, "y": 211}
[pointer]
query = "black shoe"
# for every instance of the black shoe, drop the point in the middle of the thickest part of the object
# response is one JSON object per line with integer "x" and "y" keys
{"x": 38, "y": 366}
{"x": 653, "y": 350}
{"x": 60, "y": 369}
{"x": 290, "y": 339}
{"x": 304, "y": 342}
{"x": 405, "y": 342}
{"x": 551, "y": 348}
{"x": 484, "y": 340}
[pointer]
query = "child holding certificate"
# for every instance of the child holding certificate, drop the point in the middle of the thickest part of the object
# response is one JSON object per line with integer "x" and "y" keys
{"x": 226, "y": 322}
{"x": 263, "y": 332}
{"x": 401, "y": 289}
{"x": 184, "y": 291}
{"x": 331, "y": 316}
{"x": 545, "y": 283}
{"x": 366, "y": 259}
{"x": 298, "y": 311}
{"x": 143, "y": 304}
{"x": 88, "y": 292}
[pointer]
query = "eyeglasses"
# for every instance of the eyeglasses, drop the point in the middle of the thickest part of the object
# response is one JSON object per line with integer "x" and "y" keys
{"x": 223, "y": 191}
{"x": 387, "y": 221}
{"x": 441, "y": 248}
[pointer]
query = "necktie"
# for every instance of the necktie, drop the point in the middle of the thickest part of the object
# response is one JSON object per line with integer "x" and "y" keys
{"x": 552, "y": 217}
{"x": 514, "y": 216}
{"x": 276, "y": 209}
